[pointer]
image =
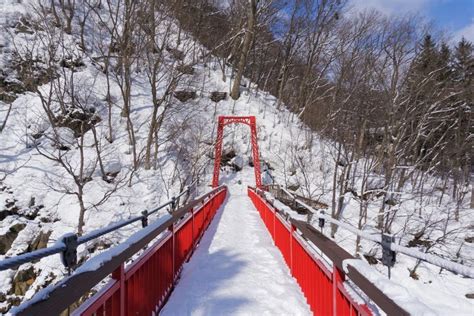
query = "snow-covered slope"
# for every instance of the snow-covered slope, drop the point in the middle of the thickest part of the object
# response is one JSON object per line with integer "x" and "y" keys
{"x": 35, "y": 190}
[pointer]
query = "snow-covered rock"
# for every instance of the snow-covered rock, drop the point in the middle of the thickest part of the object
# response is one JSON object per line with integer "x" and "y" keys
{"x": 237, "y": 162}
{"x": 113, "y": 167}
{"x": 62, "y": 138}
{"x": 267, "y": 178}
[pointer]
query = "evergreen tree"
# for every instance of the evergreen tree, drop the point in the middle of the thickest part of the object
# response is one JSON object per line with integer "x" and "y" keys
{"x": 426, "y": 60}
{"x": 463, "y": 106}
{"x": 444, "y": 64}
{"x": 422, "y": 92}
{"x": 463, "y": 63}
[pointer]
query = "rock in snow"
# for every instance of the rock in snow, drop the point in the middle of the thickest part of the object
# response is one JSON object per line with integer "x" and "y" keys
{"x": 237, "y": 163}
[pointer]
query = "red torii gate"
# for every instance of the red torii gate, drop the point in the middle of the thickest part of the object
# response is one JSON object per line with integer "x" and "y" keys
{"x": 226, "y": 120}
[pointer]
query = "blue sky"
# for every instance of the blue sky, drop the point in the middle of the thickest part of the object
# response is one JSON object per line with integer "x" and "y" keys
{"x": 454, "y": 14}
{"x": 455, "y": 17}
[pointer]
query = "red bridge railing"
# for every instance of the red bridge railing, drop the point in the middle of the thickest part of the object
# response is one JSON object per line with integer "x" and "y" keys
{"x": 142, "y": 287}
{"x": 323, "y": 285}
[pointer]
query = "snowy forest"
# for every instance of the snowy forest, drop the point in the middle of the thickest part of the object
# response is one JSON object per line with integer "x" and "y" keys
{"x": 109, "y": 108}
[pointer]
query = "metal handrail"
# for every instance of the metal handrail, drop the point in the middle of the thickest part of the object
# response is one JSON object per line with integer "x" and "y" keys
{"x": 60, "y": 246}
{"x": 312, "y": 238}
{"x": 432, "y": 259}
{"x": 54, "y": 299}
{"x": 31, "y": 256}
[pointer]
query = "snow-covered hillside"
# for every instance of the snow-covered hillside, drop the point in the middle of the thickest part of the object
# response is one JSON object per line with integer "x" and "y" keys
{"x": 39, "y": 197}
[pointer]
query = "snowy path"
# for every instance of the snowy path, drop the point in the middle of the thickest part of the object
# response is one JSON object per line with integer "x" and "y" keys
{"x": 236, "y": 270}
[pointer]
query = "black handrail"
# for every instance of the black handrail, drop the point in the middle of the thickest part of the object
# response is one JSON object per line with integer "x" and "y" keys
{"x": 63, "y": 245}
{"x": 54, "y": 299}
{"x": 338, "y": 255}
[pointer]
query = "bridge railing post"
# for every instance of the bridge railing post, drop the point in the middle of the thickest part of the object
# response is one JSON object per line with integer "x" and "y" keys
{"x": 173, "y": 238}
{"x": 193, "y": 232}
{"x": 338, "y": 279}
{"x": 274, "y": 224}
{"x": 292, "y": 241}
{"x": 119, "y": 276}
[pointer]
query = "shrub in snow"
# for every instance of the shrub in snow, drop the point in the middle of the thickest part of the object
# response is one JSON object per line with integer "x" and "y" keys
{"x": 217, "y": 96}
{"x": 227, "y": 156}
{"x": 78, "y": 120}
{"x": 175, "y": 53}
{"x": 293, "y": 183}
{"x": 375, "y": 183}
{"x": 62, "y": 138}
{"x": 37, "y": 128}
{"x": 185, "y": 69}
{"x": 184, "y": 95}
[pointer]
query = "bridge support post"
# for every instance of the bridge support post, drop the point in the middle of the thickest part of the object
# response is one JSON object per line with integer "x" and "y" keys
{"x": 218, "y": 152}
{"x": 119, "y": 275}
{"x": 292, "y": 241}
{"x": 337, "y": 278}
{"x": 251, "y": 122}
{"x": 255, "y": 156}
{"x": 173, "y": 239}
{"x": 193, "y": 237}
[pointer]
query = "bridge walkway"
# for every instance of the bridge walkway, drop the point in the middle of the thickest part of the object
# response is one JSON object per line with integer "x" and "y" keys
{"x": 236, "y": 269}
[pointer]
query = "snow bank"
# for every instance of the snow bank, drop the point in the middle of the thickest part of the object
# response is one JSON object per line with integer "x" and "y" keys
{"x": 399, "y": 294}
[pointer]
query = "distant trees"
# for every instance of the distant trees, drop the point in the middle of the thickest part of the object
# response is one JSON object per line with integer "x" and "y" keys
{"x": 64, "y": 12}
{"x": 131, "y": 41}
{"x": 392, "y": 102}
{"x": 395, "y": 103}
{"x": 159, "y": 74}
{"x": 462, "y": 142}
{"x": 440, "y": 85}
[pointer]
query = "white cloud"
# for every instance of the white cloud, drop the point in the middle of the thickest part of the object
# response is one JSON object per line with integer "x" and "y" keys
{"x": 467, "y": 32}
{"x": 390, "y": 7}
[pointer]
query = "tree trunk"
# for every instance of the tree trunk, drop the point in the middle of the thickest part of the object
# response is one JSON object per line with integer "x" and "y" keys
{"x": 82, "y": 212}
{"x": 249, "y": 34}
{"x": 6, "y": 117}
{"x": 472, "y": 198}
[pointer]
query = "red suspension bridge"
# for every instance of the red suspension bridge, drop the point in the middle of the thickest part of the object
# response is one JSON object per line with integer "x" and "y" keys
{"x": 312, "y": 265}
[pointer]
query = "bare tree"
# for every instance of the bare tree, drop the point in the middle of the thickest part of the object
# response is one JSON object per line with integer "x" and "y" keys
{"x": 247, "y": 42}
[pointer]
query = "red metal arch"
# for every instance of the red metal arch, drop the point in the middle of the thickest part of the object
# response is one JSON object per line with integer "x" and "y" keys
{"x": 226, "y": 120}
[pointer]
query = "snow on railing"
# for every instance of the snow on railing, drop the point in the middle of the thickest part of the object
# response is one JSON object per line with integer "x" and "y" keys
{"x": 329, "y": 289}
{"x": 432, "y": 259}
{"x": 68, "y": 243}
{"x": 28, "y": 257}
{"x": 142, "y": 286}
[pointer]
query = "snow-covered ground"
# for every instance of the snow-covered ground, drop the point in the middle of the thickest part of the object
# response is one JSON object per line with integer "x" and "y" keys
{"x": 236, "y": 269}
{"x": 297, "y": 155}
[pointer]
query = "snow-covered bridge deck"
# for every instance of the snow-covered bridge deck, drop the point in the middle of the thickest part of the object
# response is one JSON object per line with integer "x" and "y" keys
{"x": 236, "y": 269}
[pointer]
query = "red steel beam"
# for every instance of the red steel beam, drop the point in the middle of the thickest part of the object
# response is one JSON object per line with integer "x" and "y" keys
{"x": 226, "y": 120}
{"x": 324, "y": 289}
